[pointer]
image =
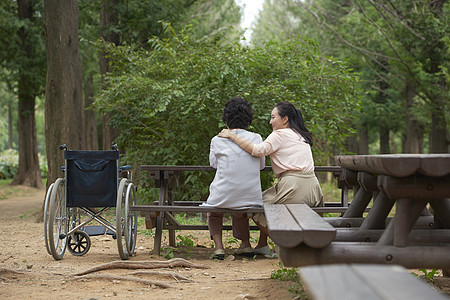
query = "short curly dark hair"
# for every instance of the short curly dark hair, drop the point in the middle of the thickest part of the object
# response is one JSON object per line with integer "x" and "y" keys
{"x": 237, "y": 113}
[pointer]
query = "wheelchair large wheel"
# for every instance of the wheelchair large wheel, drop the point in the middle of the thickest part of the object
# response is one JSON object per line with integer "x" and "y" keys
{"x": 131, "y": 219}
{"x": 121, "y": 219}
{"x": 78, "y": 243}
{"x": 46, "y": 216}
{"x": 59, "y": 220}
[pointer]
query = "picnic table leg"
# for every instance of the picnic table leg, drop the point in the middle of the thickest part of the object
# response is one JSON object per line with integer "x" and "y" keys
{"x": 160, "y": 218}
{"x": 362, "y": 196}
{"x": 376, "y": 218}
{"x": 171, "y": 231}
{"x": 406, "y": 214}
{"x": 441, "y": 209}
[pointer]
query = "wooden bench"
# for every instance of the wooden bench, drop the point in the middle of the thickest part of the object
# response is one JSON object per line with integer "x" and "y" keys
{"x": 159, "y": 214}
{"x": 364, "y": 281}
{"x": 151, "y": 212}
{"x": 293, "y": 224}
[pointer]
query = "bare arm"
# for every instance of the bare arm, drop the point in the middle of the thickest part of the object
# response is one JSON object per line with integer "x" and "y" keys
{"x": 241, "y": 142}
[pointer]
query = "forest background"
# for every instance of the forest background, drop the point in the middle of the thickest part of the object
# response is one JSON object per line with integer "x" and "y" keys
{"x": 153, "y": 76}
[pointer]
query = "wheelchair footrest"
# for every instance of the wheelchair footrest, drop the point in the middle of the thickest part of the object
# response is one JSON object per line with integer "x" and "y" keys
{"x": 94, "y": 230}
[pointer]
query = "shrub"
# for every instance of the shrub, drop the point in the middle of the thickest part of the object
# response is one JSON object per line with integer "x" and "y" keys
{"x": 9, "y": 163}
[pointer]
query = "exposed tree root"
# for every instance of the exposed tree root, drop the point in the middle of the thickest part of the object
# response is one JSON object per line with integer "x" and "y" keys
{"x": 124, "y": 278}
{"x": 174, "y": 262}
{"x": 177, "y": 277}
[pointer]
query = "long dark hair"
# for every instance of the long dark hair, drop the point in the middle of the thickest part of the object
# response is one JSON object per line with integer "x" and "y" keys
{"x": 295, "y": 119}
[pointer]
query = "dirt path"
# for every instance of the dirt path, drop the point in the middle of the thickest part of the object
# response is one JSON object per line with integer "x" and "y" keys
{"x": 28, "y": 272}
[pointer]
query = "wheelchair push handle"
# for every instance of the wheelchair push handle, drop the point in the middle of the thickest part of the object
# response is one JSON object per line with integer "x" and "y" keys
{"x": 125, "y": 168}
{"x": 64, "y": 147}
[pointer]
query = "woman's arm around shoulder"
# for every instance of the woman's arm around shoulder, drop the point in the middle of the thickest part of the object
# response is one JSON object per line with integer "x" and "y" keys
{"x": 240, "y": 141}
{"x": 270, "y": 145}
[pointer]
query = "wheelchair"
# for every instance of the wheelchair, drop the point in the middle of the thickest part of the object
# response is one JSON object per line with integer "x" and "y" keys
{"x": 91, "y": 187}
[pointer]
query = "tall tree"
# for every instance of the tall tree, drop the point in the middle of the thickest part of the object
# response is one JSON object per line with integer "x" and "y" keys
{"x": 392, "y": 45}
{"x": 28, "y": 172}
{"x": 108, "y": 21}
{"x": 64, "y": 110}
{"x": 89, "y": 32}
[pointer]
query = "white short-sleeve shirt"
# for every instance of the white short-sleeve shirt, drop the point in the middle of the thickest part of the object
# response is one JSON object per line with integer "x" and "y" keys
{"x": 237, "y": 181}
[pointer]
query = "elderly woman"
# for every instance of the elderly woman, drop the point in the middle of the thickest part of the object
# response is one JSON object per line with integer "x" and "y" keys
{"x": 237, "y": 183}
{"x": 289, "y": 148}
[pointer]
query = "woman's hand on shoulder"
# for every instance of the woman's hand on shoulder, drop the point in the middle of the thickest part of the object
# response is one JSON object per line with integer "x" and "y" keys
{"x": 225, "y": 133}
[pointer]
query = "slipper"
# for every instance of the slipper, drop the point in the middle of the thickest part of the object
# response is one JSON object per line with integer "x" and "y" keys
{"x": 247, "y": 251}
{"x": 266, "y": 252}
{"x": 218, "y": 254}
{"x": 263, "y": 250}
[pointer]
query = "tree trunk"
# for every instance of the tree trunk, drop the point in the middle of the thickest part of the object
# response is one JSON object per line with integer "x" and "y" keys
{"x": 63, "y": 93}
{"x": 10, "y": 126}
{"x": 352, "y": 144}
{"x": 91, "y": 119}
{"x": 363, "y": 144}
{"x": 384, "y": 139}
{"x": 108, "y": 19}
{"x": 413, "y": 132}
{"x": 384, "y": 128}
{"x": 438, "y": 135}
{"x": 28, "y": 172}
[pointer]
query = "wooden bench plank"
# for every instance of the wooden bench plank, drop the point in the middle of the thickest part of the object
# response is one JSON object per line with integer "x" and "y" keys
{"x": 179, "y": 208}
{"x": 188, "y": 208}
{"x": 317, "y": 233}
{"x": 362, "y": 281}
{"x": 283, "y": 228}
{"x": 293, "y": 224}
{"x": 332, "y": 283}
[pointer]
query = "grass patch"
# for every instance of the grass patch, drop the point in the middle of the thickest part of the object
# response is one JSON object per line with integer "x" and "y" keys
{"x": 296, "y": 289}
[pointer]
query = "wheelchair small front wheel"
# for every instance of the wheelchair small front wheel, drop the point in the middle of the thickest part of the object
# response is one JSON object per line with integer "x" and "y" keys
{"x": 78, "y": 243}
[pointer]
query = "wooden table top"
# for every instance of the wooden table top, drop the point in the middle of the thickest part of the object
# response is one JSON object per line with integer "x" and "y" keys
{"x": 398, "y": 165}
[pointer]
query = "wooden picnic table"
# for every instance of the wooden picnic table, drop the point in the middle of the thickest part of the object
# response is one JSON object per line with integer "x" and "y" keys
{"x": 411, "y": 182}
{"x": 161, "y": 214}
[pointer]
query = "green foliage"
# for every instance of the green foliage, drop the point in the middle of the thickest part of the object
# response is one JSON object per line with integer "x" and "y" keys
{"x": 188, "y": 219}
{"x": 168, "y": 252}
{"x": 390, "y": 46}
{"x": 167, "y": 103}
{"x": 429, "y": 274}
{"x": 290, "y": 274}
{"x": 232, "y": 242}
{"x": 9, "y": 163}
{"x": 185, "y": 241}
{"x": 284, "y": 274}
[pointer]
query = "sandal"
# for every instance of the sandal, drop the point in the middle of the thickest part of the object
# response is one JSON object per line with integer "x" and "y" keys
{"x": 218, "y": 254}
{"x": 247, "y": 251}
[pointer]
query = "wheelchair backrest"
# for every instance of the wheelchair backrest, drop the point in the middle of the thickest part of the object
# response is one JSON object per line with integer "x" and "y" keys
{"x": 91, "y": 178}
